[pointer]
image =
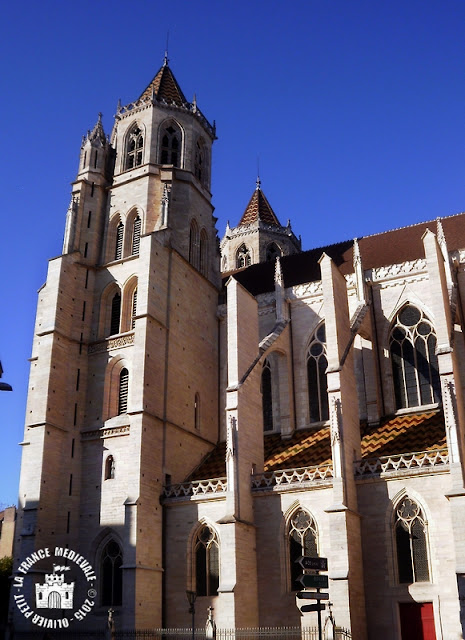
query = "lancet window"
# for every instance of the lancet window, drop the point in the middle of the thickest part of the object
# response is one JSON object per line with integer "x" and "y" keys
{"x": 136, "y": 236}
{"x": 119, "y": 241}
{"x": 267, "y": 398}
{"x": 207, "y": 567}
{"x": 109, "y": 468}
{"x": 170, "y": 148}
{"x": 111, "y": 574}
{"x": 302, "y": 537}
{"x": 411, "y": 542}
{"x": 135, "y": 148}
{"x": 414, "y": 362}
{"x": 115, "y": 314}
{"x": 272, "y": 252}
{"x": 317, "y": 364}
{"x": 243, "y": 258}
{"x": 123, "y": 391}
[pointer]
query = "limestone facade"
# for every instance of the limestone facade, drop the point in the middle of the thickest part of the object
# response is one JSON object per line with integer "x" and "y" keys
{"x": 214, "y": 430}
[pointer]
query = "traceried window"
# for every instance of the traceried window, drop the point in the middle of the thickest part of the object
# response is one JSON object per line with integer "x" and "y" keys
{"x": 317, "y": 364}
{"x": 243, "y": 258}
{"x": 123, "y": 391}
{"x": 170, "y": 148}
{"x": 135, "y": 148}
{"x": 115, "y": 314}
{"x": 136, "y": 236}
{"x": 272, "y": 252}
{"x": 414, "y": 362}
{"x": 119, "y": 241}
{"x": 112, "y": 575}
{"x": 207, "y": 566}
{"x": 267, "y": 399}
{"x": 411, "y": 542}
{"x": 200, "y": 166}
{"x": 302, "y": 536}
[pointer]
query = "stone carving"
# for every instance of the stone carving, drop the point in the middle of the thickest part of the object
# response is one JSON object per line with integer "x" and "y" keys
{"x": 402, "y": 268}
{"x": 111, "y": 344}
{"x": 413, "y": 462}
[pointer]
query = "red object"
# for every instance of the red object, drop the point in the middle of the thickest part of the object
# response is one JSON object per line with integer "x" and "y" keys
{"x": 417, "y": 621}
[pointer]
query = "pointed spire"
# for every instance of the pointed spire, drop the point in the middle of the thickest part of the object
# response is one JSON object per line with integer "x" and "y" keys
{"x": 164, "y": 87}
{"x": 259, "y": 209}
{"x": 97, "y": 132}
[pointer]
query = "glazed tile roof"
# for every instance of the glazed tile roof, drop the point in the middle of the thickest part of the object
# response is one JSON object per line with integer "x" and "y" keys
{"x": 259, "y": 209}
{"x": 382, "y": 249}
{"x": 165, "y": 87}
{"x": 406, "y": 433}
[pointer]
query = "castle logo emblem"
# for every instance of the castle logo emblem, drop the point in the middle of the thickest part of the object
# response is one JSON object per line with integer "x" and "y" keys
{"x": 55, "y": 593}
{"x": 66, "y": 595}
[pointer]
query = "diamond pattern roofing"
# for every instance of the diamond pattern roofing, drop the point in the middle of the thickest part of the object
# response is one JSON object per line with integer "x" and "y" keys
{"x": 312, "y": 447}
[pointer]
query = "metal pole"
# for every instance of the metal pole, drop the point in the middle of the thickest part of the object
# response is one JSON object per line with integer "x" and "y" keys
{"x": 320, "y": 635}
{"x": 193, "y": 621}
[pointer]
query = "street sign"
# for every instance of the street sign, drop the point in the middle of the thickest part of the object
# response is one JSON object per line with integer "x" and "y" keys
{"x": 312, "y": 595}
{"x": 316, "y": 580}
{"x": 309, "y": 562}
{"x": 305, "y": 608}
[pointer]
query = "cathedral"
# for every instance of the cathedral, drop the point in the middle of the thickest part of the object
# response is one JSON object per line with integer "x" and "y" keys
{"x": 201, "y": 413}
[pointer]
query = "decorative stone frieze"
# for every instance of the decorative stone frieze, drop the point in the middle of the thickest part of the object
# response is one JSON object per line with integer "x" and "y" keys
{"x": 110, "y": 432}
{"x": 292, "y": 478}
{"x": 112, "y": 343}
{"x": 403, "y": 464}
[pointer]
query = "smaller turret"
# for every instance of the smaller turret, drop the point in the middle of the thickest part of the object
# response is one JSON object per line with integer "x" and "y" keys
{"x": 259, "y": 236}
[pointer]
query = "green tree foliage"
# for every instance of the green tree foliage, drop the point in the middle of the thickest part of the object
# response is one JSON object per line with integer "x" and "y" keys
{"x": 6, "y": 569}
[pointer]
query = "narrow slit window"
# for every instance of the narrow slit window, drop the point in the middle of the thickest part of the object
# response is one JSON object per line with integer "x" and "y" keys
{"x": 123, "y": 391}
{"x": 136, "y": 237}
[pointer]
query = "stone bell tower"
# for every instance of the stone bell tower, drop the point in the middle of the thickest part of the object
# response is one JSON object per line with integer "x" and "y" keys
{"x": 123, "y": 384}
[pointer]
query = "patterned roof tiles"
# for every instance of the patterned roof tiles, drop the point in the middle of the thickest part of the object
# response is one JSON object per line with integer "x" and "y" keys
{"x": 165, "y": 87}
{"x": 407, "y": 433}
{"x": 259, "y": 209}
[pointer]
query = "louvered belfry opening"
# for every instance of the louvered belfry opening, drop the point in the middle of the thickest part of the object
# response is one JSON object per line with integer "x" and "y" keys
{"x": 119, "y": 241}
{"x": 136, "y": 237}
{"x": 134, "y": 308}
{"x": 115, "y": 314}
{"x": 123, "y": 391}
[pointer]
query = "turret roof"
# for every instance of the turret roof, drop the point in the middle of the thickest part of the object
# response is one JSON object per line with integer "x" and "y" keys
{"x": 259, "y": 209}
{"x": 165, "y": 87}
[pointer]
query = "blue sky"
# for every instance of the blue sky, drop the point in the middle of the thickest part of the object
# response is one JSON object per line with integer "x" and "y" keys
{"x": 354, "y": 108}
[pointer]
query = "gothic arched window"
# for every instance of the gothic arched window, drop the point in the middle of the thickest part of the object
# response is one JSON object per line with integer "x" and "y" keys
{"x": 134, "y": 308}
{"x": 203, "y": 252}
{"x": 194, "y": 245}
{"x": 415, "y": 371}
{"x": 273, "y": 252}
{"x": 200, "y": 162}
{"x": 207, "y": 565}
{"x": 243, "y": 258}
{"x": 109, "y": 468}
{"x": 136, "y": 236}
{"x": 115, "y": 314}
{"x": 302, "y": 537}
{"x": 112, "y": 575}
{"x": 317, "y": 364}
{"x": 267, "y": 399}
{"x": 119, "y": 241}
{"x": 123, "y": 391}
{"x": 170, "y": 147}
{"x": 411, "y": 543}
{"x": 197, "y": 412}
{"x": 135, "y": 148}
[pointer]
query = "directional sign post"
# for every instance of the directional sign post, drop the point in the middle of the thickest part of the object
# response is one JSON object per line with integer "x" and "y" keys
{"x": 317, "y": 564}
{"x": 314, "y": 580}
{"x": 306, "y": 608}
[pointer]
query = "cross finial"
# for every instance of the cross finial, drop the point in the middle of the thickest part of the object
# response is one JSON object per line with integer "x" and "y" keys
{"x": 166, "y": 60}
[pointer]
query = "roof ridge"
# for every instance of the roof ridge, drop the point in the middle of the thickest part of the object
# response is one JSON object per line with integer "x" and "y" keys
{"x": 410, "y": 226}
